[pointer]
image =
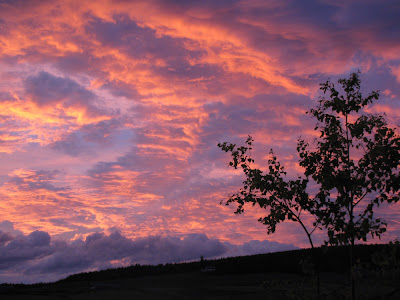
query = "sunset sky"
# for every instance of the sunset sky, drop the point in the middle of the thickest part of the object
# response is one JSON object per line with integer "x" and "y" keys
{"x": 111, "y": 111}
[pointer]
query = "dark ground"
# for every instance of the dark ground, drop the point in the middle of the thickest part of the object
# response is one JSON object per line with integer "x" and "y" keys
{"x": 197, "y": 285}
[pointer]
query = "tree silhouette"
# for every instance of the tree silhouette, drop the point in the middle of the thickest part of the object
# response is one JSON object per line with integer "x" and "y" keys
{"x": 356, "y": 159}
{"x": 354, "y": 162}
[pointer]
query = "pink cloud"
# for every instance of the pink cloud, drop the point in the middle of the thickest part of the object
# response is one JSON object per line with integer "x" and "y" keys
{"x": 110, "y": 113}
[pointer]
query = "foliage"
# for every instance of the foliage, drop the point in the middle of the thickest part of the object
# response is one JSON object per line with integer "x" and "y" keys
{"x": 285, "y": 199}
{"x": 355, "y": 162}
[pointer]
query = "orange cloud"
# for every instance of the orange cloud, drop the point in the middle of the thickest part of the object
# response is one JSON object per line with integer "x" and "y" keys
{"x": 128, "y": 100}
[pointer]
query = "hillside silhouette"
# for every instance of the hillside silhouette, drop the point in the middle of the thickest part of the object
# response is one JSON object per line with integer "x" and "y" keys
{"x": 281, "y": 275}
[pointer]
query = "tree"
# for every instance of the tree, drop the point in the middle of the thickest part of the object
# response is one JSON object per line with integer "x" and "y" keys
{"x": 285, "y": 199}
{"x": 354, "y": 162}
{"x": 357, "y": 159}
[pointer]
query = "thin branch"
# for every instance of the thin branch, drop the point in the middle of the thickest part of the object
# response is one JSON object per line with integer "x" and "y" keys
{"x": 312, "y": 231}
{"x": 359, "y": 200}
{"x": 298, "y": 220}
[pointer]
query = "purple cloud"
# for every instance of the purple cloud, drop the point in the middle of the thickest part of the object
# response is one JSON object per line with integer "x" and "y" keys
{"x": 25, "y": 248}
{"x": 38, "y": 256}
{"x": 35, "y": 179}
{"x": 47, "y": 89}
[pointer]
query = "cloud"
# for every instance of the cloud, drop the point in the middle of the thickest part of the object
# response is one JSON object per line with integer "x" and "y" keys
{"x": 111, "y": 112}
{"x": 38, "y": 256}
{"x": 73, "y": 145}
{"x": 47, "y": 109}
{"x": 8, "y": 229}
{"x": 49, "y": 91}
{"x": 34, "y": 179}
{"x": 4, "y": 238}
{"x": 25, "y": 248}
{"x": 84, "y": 140}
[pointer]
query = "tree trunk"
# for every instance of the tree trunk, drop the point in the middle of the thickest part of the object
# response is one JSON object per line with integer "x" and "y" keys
{"x": 353, "y": 282}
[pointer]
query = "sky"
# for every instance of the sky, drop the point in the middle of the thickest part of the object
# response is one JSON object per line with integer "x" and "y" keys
{"x": 111, "y": 111}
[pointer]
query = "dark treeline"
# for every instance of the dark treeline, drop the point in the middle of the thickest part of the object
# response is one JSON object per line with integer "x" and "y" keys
{"x": 376, "y": 258}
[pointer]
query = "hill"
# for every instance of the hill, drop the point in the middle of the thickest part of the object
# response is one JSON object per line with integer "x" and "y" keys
{"x": 283, "y": 275}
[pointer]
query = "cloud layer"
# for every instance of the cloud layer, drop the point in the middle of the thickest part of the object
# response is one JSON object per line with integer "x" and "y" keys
{"x": 111, "y": 112}
{"x": 37, "y": 257}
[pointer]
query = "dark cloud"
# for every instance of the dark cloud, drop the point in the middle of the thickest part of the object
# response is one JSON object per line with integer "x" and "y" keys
{"x": 22, "y": 249}
{"x": 193, "y": 4}
{"x": 36, "y": 179}
{"x": 102, "y": 132}
{"x": 86, "y": 140}
{"x": 146, "y": 47}
{"x": 35, "y": 255}
{"x": 370, "y": 15}
{"x": 118, "y": 88}
{"x": 242, "y": 116}
{"x": 73, "y": 144}
{"x": 138, "y": 41}
{"x": 47, "y": 89}
{"x": 4, "y": 238}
